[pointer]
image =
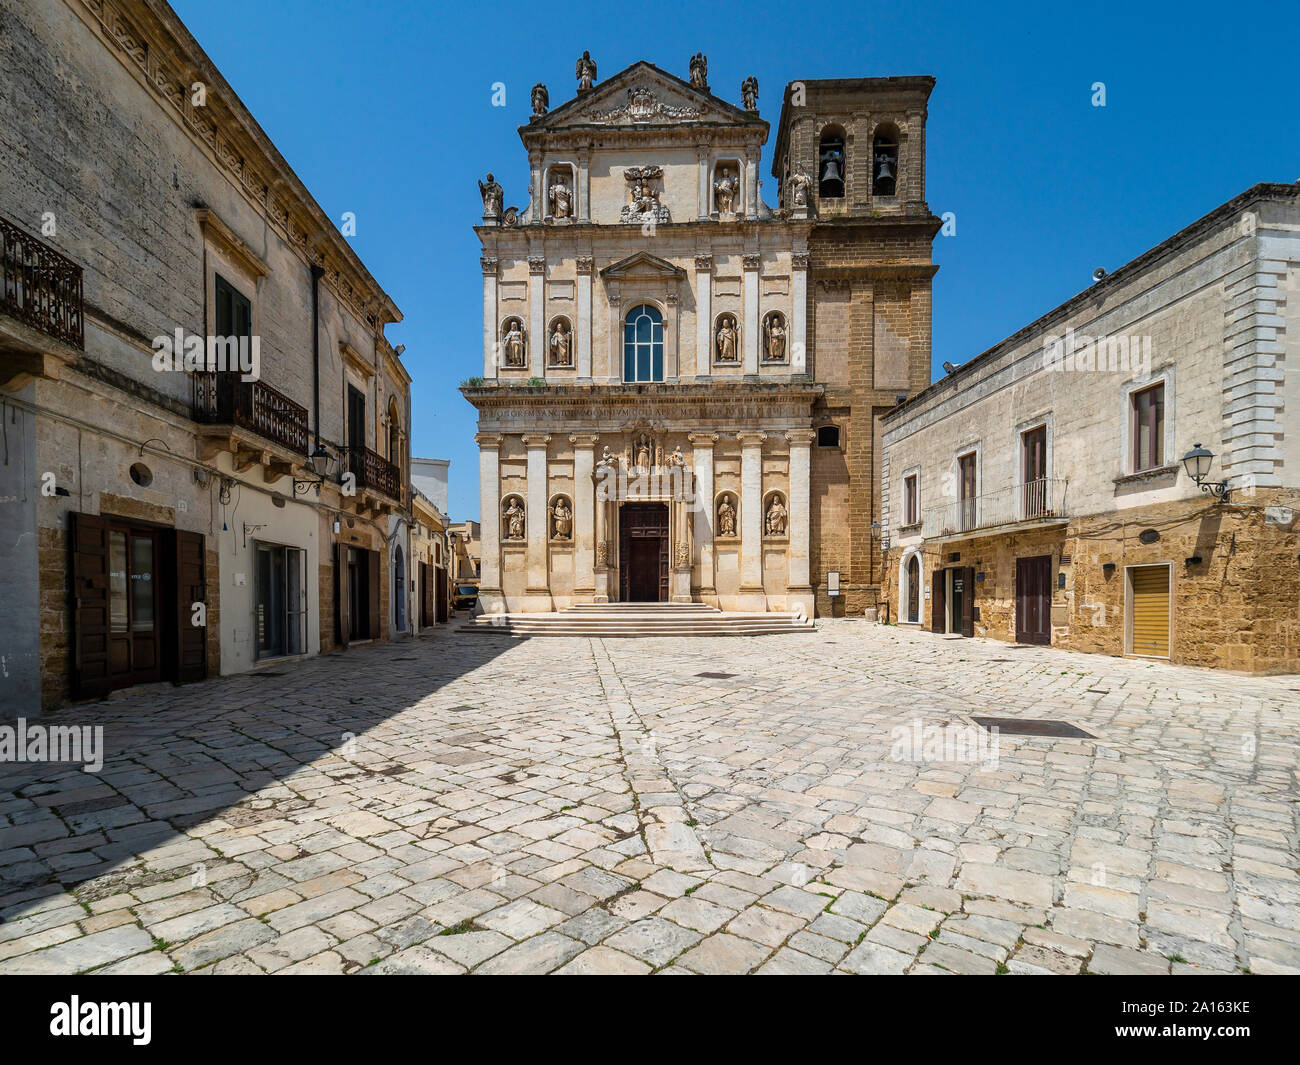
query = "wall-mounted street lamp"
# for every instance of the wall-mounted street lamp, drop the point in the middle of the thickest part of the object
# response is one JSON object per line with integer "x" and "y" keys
{"x": 322, "y": 464}
{"x": 1197, "y": 464}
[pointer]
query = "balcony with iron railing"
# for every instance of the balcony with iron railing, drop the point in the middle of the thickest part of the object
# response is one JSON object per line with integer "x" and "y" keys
{"x": 1039, "y": 501}
{"x": 221, "y": 398}
{"x": 40, "y": 288}
{"x": 374, "y": 472}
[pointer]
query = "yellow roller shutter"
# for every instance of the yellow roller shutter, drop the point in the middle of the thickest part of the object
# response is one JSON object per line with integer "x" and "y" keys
{"x": 1151, "y": 611}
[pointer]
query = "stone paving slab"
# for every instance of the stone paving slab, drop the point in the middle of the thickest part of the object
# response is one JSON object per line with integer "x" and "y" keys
{"x": 482, "y": 804}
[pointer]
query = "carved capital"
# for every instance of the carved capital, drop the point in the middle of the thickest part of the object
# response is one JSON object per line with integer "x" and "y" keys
{"x": 704, "y": 262}
{"x": 489, "y": 265}
{"x": 751, "y": 438}
{"x": 752, "y": 262}
{"x": 585, "y": 263}
{"x": 584, "y": 440}
{"x": 488, "y": 441}
{"x": 537, "y": 264}
{"x": 536, "y": 439}
{"x": 799, "y": 260}
{"x": 800, "y": 437}
{"x": 702, "y": 439}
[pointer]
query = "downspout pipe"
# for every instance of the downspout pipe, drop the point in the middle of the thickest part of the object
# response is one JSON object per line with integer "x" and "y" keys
{"x": 317, "y": 272}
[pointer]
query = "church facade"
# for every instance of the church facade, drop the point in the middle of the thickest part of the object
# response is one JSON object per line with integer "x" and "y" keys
{"x": 681, "y": 384}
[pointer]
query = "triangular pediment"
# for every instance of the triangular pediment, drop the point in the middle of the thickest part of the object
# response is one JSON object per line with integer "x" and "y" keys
{"x": 642, "y": 96}
{"x": 642, "y": 264}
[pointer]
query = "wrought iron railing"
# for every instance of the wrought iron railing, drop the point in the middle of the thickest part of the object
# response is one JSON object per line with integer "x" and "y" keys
{"x": 40, "y": 287}
{"x": 375, "y": 471}
{"x": 1037, "y": 500}
{"x": 223, "y": 399}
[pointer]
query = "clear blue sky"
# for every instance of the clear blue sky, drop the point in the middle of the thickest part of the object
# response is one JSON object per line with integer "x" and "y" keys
{"x": 384, "y": 108}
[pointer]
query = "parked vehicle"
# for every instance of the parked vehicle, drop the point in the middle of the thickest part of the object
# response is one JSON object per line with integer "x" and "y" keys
{"x": 465, "y": 597}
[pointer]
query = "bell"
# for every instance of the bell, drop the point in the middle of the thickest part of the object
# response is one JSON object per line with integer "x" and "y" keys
{"x": 831, "y": 169}
{"x": 884, "y": 168}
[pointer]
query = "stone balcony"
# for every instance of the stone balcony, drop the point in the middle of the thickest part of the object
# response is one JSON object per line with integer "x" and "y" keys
{"x": 42, "y": 309}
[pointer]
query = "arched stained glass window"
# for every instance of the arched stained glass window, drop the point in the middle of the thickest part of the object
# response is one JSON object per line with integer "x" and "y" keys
{"x": 643, "y": 344}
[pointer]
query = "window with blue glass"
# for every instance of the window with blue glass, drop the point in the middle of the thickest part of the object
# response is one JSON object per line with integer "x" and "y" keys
{"x": 643, "y": 344}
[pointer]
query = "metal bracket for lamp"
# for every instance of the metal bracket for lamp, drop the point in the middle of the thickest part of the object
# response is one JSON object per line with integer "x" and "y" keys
{"x": 322, "y": 462}
{"x": 1197, "y": 464}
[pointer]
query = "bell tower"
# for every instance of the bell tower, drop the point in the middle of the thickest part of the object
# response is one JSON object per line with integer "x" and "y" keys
{"x": 861, "y": 141}
{"x": 850, "y": 157}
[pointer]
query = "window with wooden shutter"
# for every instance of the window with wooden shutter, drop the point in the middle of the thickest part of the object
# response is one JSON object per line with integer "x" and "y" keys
{"x": 1149, "y": 590}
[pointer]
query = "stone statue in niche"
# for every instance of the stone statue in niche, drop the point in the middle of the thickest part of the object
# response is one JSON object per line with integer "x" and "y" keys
{"x": 644, "y": 453}
{"x": 585, "y": 72}
{"x": 514, "y": 519}
{"x": 644, "y": 205}
{"x": 800, "y": 186}
{"x": 774, "y": 338}
{"x": 561, "y": 344}
{"x": 726, "y": 517}
{"x": 492, "y": 194}
{"x": 749, "y": 93}
{"x": 725, "y": 343}
{"x": 541, "y": 100}
{"x": 562, "y": 520}
{"x": 514, "y": 344}
{"x": 561, "y": 197}
{"x": 608, "y": 460}
{"x": 678, "y": 459}
{"x": 700, "y": 72}
{"x": 776, "y": 517}
{"x": 726, "y": 187}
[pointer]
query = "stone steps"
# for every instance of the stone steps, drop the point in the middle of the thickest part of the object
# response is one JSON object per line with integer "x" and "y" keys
{"x": 641, "y": 619}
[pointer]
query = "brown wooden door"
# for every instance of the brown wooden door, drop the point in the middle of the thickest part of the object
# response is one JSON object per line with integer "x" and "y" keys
{"x": 1034, "y": 599}
{"x": 967, "y": 575}
{"x": 342, "y": 595}
{"x": 643, "y": 552}
{"x": 441, "y": 599}
{"x": 89, "y": 542}
{"x": 191, "y": 588}
{"x": 938, "y": 601}
{"x": 913, "y": 590}
{"x": 373, "y": 562}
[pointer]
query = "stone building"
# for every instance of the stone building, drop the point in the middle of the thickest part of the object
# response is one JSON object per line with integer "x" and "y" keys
{"x": 430, "y": 561}
{"x": 165, "y": 519}
{"x": 466, "y": 554}
{"x": 681, "y": 384}
{"x": 1043, "y": 492}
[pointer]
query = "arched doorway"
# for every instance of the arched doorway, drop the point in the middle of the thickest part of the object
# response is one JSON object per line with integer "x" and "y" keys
{"x": 913, "y": 597}
{"x": 399, "y": 589}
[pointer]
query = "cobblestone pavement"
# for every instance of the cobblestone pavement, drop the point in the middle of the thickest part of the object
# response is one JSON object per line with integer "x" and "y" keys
{"x": 474, "y": 803}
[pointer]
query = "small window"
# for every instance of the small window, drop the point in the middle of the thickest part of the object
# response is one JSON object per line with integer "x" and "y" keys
{"x": 828, "y": 436}
{"x": 234, "y": 311}
{"x": 911, "y": 512}
{"x": 1149, "y": 428}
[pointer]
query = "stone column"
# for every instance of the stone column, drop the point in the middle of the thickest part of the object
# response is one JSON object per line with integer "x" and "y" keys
{"x": 537, "y": 523}
{"x": 751, "y": 184}
{"x": 584, "y": 185}
{"x": 584, "y": 263}
{"x": 751, "y": 264}
{"x": 799, "y": 520}
{"x": 489, "y": 264}
{"x": 752, "y": 596}
{"x": 602, "y": 504}
{"x": 584, "y": 514}
{"x": 702, "y": 154}
{"x": 703, "y": 315}
{"x": 616, "y": 334}
{"x": 490, "y": 597}
{"x": 537, "y": 200}
{"x": 537, "y": 315}
{"x": 799, "y": 313}
{"x": 703, "y": 459}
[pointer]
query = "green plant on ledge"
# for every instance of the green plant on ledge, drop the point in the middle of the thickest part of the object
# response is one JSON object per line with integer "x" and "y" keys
{"x": 472, "y": 382}
{"x": 534, "y": 382}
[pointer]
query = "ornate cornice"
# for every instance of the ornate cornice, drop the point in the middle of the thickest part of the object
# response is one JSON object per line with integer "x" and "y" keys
{"x": 156, "y": 47}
